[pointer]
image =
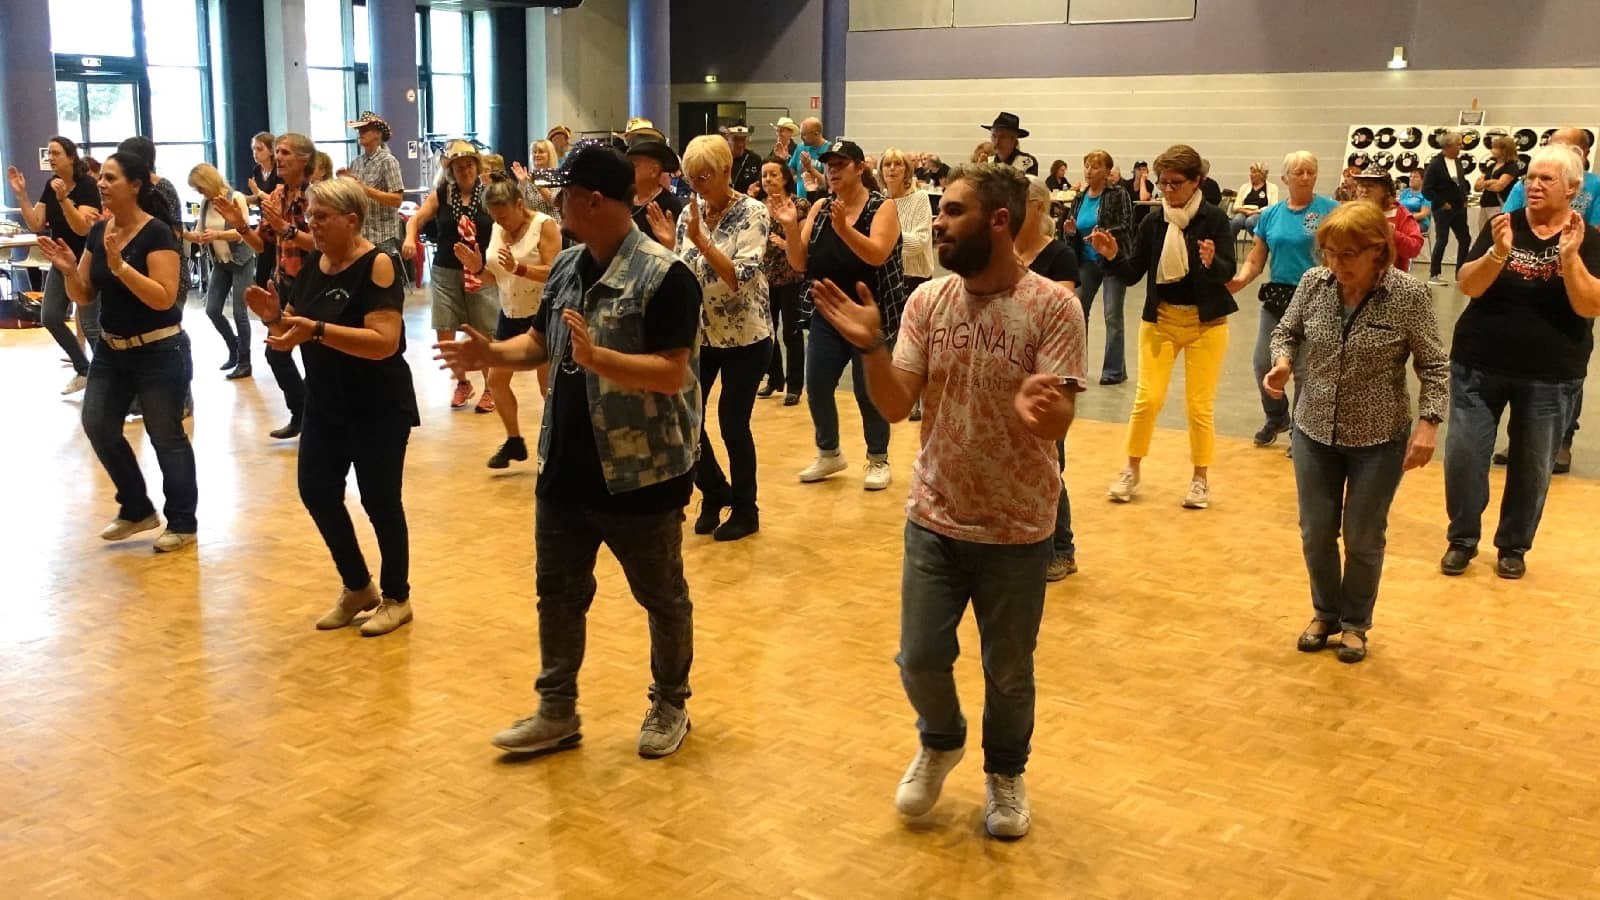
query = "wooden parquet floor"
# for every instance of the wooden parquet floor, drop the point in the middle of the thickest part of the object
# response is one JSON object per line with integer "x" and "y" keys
{"x": 174, "y": 727}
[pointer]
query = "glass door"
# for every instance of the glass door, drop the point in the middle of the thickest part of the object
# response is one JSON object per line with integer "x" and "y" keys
{"x": 98, "y": 112}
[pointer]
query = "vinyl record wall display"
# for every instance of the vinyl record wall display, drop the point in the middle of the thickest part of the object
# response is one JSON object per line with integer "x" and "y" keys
{"x": 1367, "y": 144}
{"x": 1386, "y": 138}
{"x": 1412, "y": 139}
{"x": 1361, "y": 138}
{"x": 1469, "y": 139}
{"x": 1406, "y": 161}
{"x": 1526, "y": 139}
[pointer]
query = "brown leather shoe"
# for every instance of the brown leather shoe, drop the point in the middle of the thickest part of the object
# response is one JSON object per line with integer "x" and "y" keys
{"x": 1316, "y": 635}
{"x": 1352, "y": 647}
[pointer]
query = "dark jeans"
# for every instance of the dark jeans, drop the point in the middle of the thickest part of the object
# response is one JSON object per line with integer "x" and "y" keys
{"x": 287, "y": 374}
{"x": 1540, "y": 413}
{"x": 826, "y": 356}
{"x": 231, "y": 279}
{"x": 1005, "y": 584}
{"x": 329, "y": 447}
{"x": 1091, "y": 277}
{"x": 56, "y": 309}
{"x": 566, "y": 540}
{"x": 158, "y": 376}
{"x": 266, "y": 264}
{"x": 1572, "y": 422}
{"x": 1451, "y": 221}
{"x": 1063, "y": 543}
{"x": 1345, "y": 490}
{"x": 1277, "y": 409}
{"x": 741, "y": 369}
{"x": 785, "y": 299}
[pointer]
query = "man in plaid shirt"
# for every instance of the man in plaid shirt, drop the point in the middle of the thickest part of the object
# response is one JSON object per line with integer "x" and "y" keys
{"x": 379, "y": 175}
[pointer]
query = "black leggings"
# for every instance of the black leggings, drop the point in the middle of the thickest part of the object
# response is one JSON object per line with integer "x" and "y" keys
{"x": 741, "y": 369}
{"x": 1450, "y": 221}
{"x": 329, "y": 447}
{"x": 785, "y": 299}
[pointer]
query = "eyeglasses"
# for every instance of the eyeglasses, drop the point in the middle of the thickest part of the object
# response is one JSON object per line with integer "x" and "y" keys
{"x": 1345, "y": 256}
{"x": 1168, "y": 186}
{"x": 698, "y": 180}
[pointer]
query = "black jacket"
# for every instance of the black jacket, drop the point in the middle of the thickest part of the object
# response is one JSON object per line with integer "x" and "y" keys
{"x": 746, "y": 171}
{"x": 1440, "y": 189}
{"x": 1208, "y": 287}
{"x": 1116, "y": 216}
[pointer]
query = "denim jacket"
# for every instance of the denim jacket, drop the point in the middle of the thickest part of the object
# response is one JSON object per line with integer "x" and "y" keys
{"x": 644, "y": 438}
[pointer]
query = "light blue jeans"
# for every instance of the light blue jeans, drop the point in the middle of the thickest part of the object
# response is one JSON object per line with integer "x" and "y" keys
{"x": 1091, "y": 276}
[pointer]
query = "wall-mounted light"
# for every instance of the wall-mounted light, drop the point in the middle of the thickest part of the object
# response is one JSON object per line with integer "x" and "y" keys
{"x": 1398, "y": 61}
{"x": 711, "y": 78}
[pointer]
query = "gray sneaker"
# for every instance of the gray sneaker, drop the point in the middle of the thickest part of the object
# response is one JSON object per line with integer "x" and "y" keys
{"x": 538, "y": 733}
{"x": 122, "y": 529}
{"x": 663, "y": 731}
{"x": 924, "y": 779}
{"x": 1007, "y": 815}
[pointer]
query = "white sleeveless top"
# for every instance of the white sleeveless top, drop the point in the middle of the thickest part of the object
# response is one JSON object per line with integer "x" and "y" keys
{"x": 519, "y": 297}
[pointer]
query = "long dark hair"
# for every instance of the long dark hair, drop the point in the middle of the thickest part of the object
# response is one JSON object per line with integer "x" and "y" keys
{"x": 788, "y": 177}
{"x": 135, "y": 168}
{"x": 80, "y": 169}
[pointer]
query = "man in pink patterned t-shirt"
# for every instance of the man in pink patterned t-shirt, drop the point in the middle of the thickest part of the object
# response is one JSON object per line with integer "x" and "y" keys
{"x": 996, "y": 353}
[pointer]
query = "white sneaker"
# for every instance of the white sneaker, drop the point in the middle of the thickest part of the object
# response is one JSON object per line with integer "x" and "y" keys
{"x": 350, "y": 604}
{"x": 1007, "y": 814}
{"x": 665, "y": 726}
{"x": 77, "y": 384}
{"x": 122, "y": 529}
{"x": 1437, "y": 281}
{"x": 391, "y": 614}
{"x": 174, "y": 540}
{"x": 1123, "y": 489}
{"x": 919, "y": 789}
{"x": 878, "y": 476}
{"x": 1199, "y": 496}
{"x": 824, "y": 465}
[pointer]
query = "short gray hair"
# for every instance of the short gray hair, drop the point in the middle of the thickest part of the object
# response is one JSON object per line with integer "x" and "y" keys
{"x": 1449, "y": 139}
{"x": 343, "y": 195}
{"x": 1566, "y": 156}
{"x": 998, "y": 186}
{"x": 1300, "y": 159}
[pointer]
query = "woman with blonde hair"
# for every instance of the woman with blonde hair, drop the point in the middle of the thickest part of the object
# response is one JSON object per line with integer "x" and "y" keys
{"x": 721, "y": 235}
{"x": 541, "y": 155}
{"x": 1356, "y": 321}
{"x": 916, "y": 225}
{"x": 321, "y": 167}
{"x": 1253, "y": 197}
{"x": 232, "y": 264}
{"x": 983, "y": 153}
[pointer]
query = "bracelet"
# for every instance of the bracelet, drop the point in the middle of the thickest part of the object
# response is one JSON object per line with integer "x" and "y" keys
{"x": 316, "y": 332}
{"x": 274, "y": 321}
{"x": 1499, "y": 259}
{"x": 879, "y": 341}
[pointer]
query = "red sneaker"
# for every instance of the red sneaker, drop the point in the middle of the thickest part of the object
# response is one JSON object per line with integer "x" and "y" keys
{"x": 462, "y": 395}
{"x": 485, "y": 402}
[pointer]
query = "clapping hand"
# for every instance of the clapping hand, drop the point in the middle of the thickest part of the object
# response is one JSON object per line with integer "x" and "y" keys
{"x": 114, "y": 244}
{"x": 1571, "y": 237}
{"x": 470, "y": 355}
{"x": 263, "y": 301}
{"x": 1105, "y": 243}
{"x": 838, "y": 218}
{"x": 223, "y": 204}
{"x": 693, "y": 229}
{"x": 272, "y": 210}
{"x": 785, "y": 212}
{"x": 506, "y": 260}
{"x": 59, "y": 254}
{"x": 1035, "y": 400}
{"x": 520, "y": 171}
{"x": 469, "y": 256}
{"x": 582, "y": 344}
{"x": 660, "y": 226}
{"x": 860, "y": 323}
{"x": 19, "y": 184}
{"x": 300, "y": 330}
{"x": 1208, "y": 252}
{"x": 255, "y": 189}
{"x": 60, "y": 188}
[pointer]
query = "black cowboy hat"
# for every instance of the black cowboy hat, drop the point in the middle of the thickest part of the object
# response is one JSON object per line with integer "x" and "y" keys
{"x": 1007, "y": 120}
{"x": 1413, "y": 138}
{"x": 1526, "y": 139}
{"x": 1361, "y": 138}
{"x": 657, "y": 151}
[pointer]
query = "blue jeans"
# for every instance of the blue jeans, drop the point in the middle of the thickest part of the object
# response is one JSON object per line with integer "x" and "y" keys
{"x": 1241, "y": 222}
{"x": 56, "y": 309}
{"x": 566, "y": 541}
{"x": 231, "y": 279}
{"x": 1062, "y": 544}
{"x": 1276, "y": 408}
{"x": 1005, "y": 584}
{"x": 1091, "y": 276}
{"x": 826, "y": 356}
{"x": 1540, "y": 414}
{"x": 158, "y": 375}
{"x": 1348, "y": 490}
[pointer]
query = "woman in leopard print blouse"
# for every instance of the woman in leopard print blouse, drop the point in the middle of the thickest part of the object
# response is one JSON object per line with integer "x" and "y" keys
{"x": 1359, "y": 322}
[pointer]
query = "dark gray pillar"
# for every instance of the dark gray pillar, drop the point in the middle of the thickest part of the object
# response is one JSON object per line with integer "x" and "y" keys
{"x": 649, "y": 62}
{"x": 243, "y": 60}
{"x": 27, "y": 71}
{"x": 835, "y": 34}
{"x": 393, "y": 75}
{"x": 508, "y": 84}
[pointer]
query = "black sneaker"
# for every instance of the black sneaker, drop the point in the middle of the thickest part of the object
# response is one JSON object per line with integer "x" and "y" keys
{"x": 710, "y": 517}
{"x": 791, "y": 399}
{"x": 515, "y": 448}
{"x": 1456, "y": 558}
{"x": 767, "y": 390}
{"x": 1563, "y": 463}
{"x": 1268, "y": 435}
{"x": 741, "y": 523}
{"x": 1510, "y": 566}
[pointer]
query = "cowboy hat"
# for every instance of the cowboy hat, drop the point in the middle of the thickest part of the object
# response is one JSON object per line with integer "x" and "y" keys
{"x": 638, "y": 127}
{"x": 786, "y": 124}
{"x": 460, "y": 149}
{"x": 370, "y": 119}
{"x": 1007, "y": 120}
{"x": 657, "y": 151}
{"x": 559, "y": 129}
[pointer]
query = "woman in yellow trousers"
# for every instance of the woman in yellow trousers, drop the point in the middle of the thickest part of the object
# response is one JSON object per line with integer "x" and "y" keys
{"x": 1188, "y": 253}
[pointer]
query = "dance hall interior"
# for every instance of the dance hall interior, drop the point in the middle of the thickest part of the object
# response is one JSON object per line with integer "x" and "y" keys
{"x": 629, "y": 448}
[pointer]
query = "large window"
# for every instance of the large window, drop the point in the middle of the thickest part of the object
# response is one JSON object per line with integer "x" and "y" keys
{"x": 330, "y": 72}
{"x": 446, "y": 69}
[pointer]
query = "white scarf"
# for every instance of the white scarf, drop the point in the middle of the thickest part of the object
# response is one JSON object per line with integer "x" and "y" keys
{"x": 1174, "y": 251}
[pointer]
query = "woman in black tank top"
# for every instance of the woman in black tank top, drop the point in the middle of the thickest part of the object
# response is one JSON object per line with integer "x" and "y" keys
{"x": 345, "y": 307}
{"x": 851, "y": 236}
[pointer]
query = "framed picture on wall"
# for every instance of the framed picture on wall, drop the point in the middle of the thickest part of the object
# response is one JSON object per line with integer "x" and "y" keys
{"x": 1470, "y": 117}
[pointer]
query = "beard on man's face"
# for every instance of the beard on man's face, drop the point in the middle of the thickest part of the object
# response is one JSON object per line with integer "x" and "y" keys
{"x": 966, "y": 255}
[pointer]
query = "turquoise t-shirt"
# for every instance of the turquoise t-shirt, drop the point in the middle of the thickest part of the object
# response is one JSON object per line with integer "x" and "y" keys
{"x": 815, "y": 150}
{"x": 1586, "y": 203}
{"x": 1291, "y": 237}
{"x": 1088, "y": 218}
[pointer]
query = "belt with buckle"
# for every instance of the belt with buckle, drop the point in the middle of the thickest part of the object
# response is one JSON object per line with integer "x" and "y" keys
{"x": 139, "y": 340}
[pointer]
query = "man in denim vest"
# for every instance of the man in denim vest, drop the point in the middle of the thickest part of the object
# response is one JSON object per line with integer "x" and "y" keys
{"x": 620, "y": 328}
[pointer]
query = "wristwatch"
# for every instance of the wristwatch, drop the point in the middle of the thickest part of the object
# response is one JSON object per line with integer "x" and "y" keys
{"x": 316, "y": 331}
{"x": 1435, "y": 418}
{"x": 290, "y": 232}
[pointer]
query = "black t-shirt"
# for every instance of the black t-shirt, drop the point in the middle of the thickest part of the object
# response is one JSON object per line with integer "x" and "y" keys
{"x": 1494, "y": 199}
{"x": 84, "y": 193}
{"x": 449, "y": 231}
{"x": 1257, "y": 198}
{"x": 670, "y": 205}
{"x": 1210, "y": 191}
{"x": 121, "y": 312}
{"x": 746, "y": 171}
{"x": 344, "y": 387}
{"x": 1523, "y": 325}
{"x": 572, "y": 470}
{"x": 1056, "y": 262}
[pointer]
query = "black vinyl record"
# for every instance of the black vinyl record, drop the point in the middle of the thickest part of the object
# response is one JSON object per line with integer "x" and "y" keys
{"x": 1406, "y": 162}
{"x": 1412, "y": 139}
{"x": 1383, "y": 160}
{"x": 1466, "y": 163}
{"x": 1526, "y": 139}
{"x": 1522, "y": 163}
{"x": 1469, "y": 139}
{"x": 1545, "y": 138}
{"x": 1361, "y": 138}
{"x": 1386, "y": 138}
{"x": 1358, "y": 160}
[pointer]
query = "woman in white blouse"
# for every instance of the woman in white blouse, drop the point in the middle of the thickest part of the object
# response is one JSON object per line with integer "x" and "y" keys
{"x": 722, "y": 235}
{"x": 233, "y": 265}
{"x": 916, "y": 225}
{"x": 522, "y": 246}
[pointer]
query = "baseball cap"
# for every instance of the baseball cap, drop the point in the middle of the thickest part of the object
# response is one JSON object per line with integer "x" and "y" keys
{"x": 843, "y": 150}
{"x": 592, "y": 165}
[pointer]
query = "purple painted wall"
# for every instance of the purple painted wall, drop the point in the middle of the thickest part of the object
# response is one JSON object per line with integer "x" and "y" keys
{"x": 778, "y": 42}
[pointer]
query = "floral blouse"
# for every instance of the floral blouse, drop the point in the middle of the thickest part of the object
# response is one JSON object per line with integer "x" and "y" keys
{"x": 776, "y": 262}
{"x": 729, "y": 317}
